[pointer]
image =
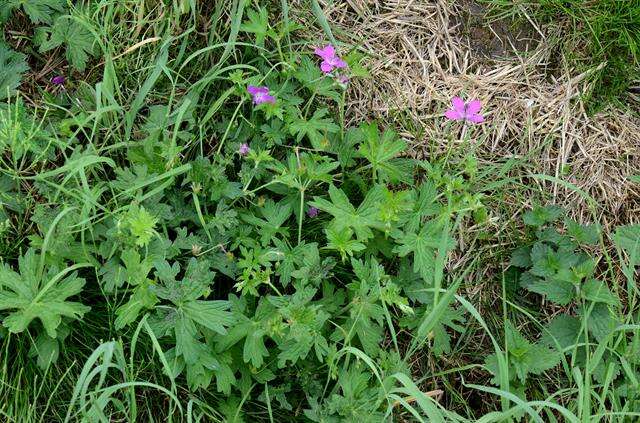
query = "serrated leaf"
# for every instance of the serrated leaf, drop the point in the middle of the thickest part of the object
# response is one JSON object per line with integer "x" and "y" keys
{"x": 38, "y": 11}
{"x": 627, "y": 238}
{"x": 31, "y": 298}
{"x": 600, "y": 321}
{"x": 341, "y": 241}
{"x": 12, "y": 66}
{"x": 317, "y": 128}
{"x": 559, "y": 291}
{"x": 311, "y": 77}
{"x": 75, "y": 37}
{"x": 142, "y": 298}
{"x": 213, "y": 315}
{"x": 254, "y": 349}
{"x": 596, "y": 291}
{"x": 583, "y": 234}
{"x": 257, "y": 23}
{"x": 524, "y": 357}
{"x": 563, "y": 329}
{"x": 521, "y": 257}
{"x": 274, "y": 216}
{"x": 542, "y": 215}
{"x": 381, "y": 152}
{"x": 345, "y": 214}
{"x": 424, "y": 246}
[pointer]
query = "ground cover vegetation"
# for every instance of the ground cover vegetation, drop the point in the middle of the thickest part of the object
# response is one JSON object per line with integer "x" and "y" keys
{"x": 193, "y": 229}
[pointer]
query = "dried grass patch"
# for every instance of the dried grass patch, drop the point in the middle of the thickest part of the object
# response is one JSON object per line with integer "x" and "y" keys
{"x": 420, "y": 56}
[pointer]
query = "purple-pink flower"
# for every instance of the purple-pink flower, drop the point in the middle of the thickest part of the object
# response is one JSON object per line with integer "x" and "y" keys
{"x": 465, "y": 111}
{"x": 312, "y": 212}
{"x": 58, "y": 80}
{"x": 244, "y": 149}
{"x": 342, "y": 79}
{"x": 260, "y": 95}
{"x": 330, "y": 60}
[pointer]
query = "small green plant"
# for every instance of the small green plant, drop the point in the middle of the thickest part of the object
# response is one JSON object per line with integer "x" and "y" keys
{"x": 12, "y": 66}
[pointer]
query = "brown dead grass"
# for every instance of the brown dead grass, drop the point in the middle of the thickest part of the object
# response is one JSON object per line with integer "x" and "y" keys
{"x": 420, "y": 57}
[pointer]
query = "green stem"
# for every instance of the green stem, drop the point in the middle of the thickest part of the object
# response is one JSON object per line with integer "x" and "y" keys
{"x": 301, "y": 215}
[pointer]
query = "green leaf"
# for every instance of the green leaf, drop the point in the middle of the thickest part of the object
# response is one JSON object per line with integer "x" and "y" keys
{"x": 75, "y": 37}
{"x": 627, "y": 238}
{"x": 33, "y": 298}
{"x": 38, "y": 11}
{"x": 141, "y": 224}
{"x": 142, "y": 298}
{"x": 274, "y": 217}
{"x": 12, "y": 66}
{"x": 542, "y": 215}
{"x": 559, "y": 291}
{"x": 210, "y": 314}
{"x": 254, "y": 349}
{"x": 345, "y": 214}
{"x": 601, "y": 321}
{"x": 524, "y": 357}
{"x": 583, "y": 234}
{"x": 187, "y": 344}
{"x": 424, "y": 246}
{"x": 257, "y": 23}
{"x": 596, "y": 291}
{"x": 381, "y": 152}
{"x": 311, "y": 77}
{"x": 340, "y": 240}
{"x": 521, "y": 257}
{"x": 316, "y": 129}
{"x": 564, "y": 329}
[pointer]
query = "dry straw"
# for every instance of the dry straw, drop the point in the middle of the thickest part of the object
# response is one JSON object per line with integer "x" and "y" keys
{"x": 422, "y": 53}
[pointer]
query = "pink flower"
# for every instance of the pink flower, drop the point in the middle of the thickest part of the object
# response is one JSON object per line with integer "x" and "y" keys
{"x": 342, "y": 79}
{"x": 260, "y": 95}
{"x": 465, "y": 111}
{"x": 58, "y": 80}
{"x": 244, "y": 149}
{"x": 330, "y": 60}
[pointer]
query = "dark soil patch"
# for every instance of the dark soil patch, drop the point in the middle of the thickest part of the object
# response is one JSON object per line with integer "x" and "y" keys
{"x": 491, "y": 38}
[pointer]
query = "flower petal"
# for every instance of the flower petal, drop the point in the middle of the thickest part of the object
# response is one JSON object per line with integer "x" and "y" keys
{"x": 339, "y": 63}
{"x": 268, "y": 99}
{"x": 326, "y": 67}
{"x": 326, "y": 52}
{"x": 458, "y": 104}
{"x": 453, "y": 114}
{"x": 253, "y": 90}
{"x": 475, "y": 118}
{"x": 473, "y": 107}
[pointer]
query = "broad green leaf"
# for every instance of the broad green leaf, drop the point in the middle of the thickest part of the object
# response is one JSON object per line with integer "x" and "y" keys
{"x": 257, "y": 23}
{"x": 583, "y": 234}
{"x": 28, "y": 297}
{"x": 424, "y": 246}
{"x": 596, "y": 291}
{"x": 210, "y": 314}
{"x": 38, "y": 11}
{"x": 142, "y": 298}
{"x": 556, "y": 290}
{"x": 341, "y": 241}
{"x": 382, "y": 152}
{"x": 12, "y": 66}
{"x": 346, "y": 216}
{"x": 542, "y": 215}
{"x": 627, "y": 238}
{"x": 75, "y": 37}
{"x": 317, "y": 128}
{"x": 564, "y": 329}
